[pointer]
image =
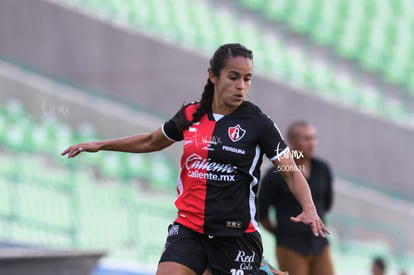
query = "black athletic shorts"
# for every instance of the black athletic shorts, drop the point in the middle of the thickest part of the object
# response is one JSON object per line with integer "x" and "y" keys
{"x": 222, "y": 255}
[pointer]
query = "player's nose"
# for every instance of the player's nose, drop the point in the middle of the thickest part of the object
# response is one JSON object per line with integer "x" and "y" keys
{"x": 240, "y": 85}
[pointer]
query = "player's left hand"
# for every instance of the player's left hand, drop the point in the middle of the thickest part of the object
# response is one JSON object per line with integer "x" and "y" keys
{"x": 312, "y": 219}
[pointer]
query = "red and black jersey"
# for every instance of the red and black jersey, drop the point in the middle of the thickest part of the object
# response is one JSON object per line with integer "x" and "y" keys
{"x": 220, "y": 169}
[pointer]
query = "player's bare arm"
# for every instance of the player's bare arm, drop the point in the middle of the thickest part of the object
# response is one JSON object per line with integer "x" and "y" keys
{"x": 300, "y": 188}
{"x": 141, "y": 143}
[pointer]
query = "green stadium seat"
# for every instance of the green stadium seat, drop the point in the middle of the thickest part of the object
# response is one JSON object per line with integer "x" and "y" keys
{"x": 29, "y": 235}
{"x": 110, "y": 164}
{"x": 8, "y": 167}
{"x": 185, "y": 32}
{"x": 297, "y": 68}
{"x": 161, "y": 16}
{"x": 321, "y": 78}
{"x": 206, "y": 34}
{"x": 349, "y": 43}
{"x": 112, "y": 9}
{"x": 139, "y": 13}
{"x": 18, "y": 134}
{"x": 162, "y": 174}
{"x": 50, "y": 125}
{"x": 411, "y": 81}
{"x": 5, "y": 198}
{"x": 229, "y": 34}
{"x": 301, "y": 16}
{"x": 138, "y": 166}
{"x": 14, "y": 109}
{"x": 54, "y": 209}
{"x": 275, "y": 10}
{"x": 348, "y": 92}
{"x": 64, "y": 138}
{"x": 370, "y": 101}
{"x": 397, "y": 71}
{"x": 3, "y": 127}
{"x": 274, "y": 57}
{"x": 396, "y": 109}
{"x": 252, "y": 4}
{"x": 86, "y": 132}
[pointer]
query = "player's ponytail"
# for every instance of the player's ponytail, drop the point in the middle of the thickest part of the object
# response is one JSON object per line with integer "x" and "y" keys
{"x": 205, "y": 102}
{"x": 217, "y": 63}
{"x": 204, "y": 107}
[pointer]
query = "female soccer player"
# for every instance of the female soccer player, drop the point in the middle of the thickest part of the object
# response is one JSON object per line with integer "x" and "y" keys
{"x": 225, "y": 137}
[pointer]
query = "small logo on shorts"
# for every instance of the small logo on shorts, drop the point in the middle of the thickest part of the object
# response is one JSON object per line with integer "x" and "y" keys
{"x": 173, "y": 230}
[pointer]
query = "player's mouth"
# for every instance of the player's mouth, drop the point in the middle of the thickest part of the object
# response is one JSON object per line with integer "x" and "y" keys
{"x": 238, "y": 97}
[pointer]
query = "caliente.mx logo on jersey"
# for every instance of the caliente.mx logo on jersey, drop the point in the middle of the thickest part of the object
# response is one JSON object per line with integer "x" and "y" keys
{"x": 236, "y": 133}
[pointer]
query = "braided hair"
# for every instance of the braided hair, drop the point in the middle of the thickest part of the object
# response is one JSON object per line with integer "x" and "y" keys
{"x": 217, "y": 63}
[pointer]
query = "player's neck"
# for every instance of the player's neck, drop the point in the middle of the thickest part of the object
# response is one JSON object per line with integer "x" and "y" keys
{"x": 221, "y": 108}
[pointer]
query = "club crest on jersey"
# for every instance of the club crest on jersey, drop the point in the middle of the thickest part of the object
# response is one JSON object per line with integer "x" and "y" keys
{"x": 236, "y": 133}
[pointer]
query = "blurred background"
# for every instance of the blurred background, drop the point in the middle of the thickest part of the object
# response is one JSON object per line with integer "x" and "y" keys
{"x": 81, "y": 70}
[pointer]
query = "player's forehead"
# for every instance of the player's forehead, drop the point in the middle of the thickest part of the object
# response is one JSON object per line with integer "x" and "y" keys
{"x": 238, "y": 65}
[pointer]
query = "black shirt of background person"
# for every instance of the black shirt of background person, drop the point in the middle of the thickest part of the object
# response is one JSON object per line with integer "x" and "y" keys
{"x": 275, "y": 192}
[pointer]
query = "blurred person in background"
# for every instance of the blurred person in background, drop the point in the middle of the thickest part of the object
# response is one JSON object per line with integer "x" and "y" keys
{"x": 297, "y": 251}
{"x": 378, "y": 266}
{"x": 225, "y": 138}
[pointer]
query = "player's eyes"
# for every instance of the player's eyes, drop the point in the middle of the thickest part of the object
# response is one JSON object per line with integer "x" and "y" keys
{"x": 235, "y": 77}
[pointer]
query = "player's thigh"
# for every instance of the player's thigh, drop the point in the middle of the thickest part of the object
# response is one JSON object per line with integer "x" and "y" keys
{"x": 171, "y": 268}
{"x": 323, "y": 263}
{"x": 291, "y": 261}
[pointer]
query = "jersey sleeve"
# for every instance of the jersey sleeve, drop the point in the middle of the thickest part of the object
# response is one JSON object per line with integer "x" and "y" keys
{"x": 271, "y": 140}
{"x": 170, "y": 129}
{"x": 171, "y": 132}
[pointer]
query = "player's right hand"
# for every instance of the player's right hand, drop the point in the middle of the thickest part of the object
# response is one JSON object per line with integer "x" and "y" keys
{"x": 75, "y": 150}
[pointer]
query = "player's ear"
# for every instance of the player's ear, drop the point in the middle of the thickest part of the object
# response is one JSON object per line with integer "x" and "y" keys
{"x": 212, "y": 77}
